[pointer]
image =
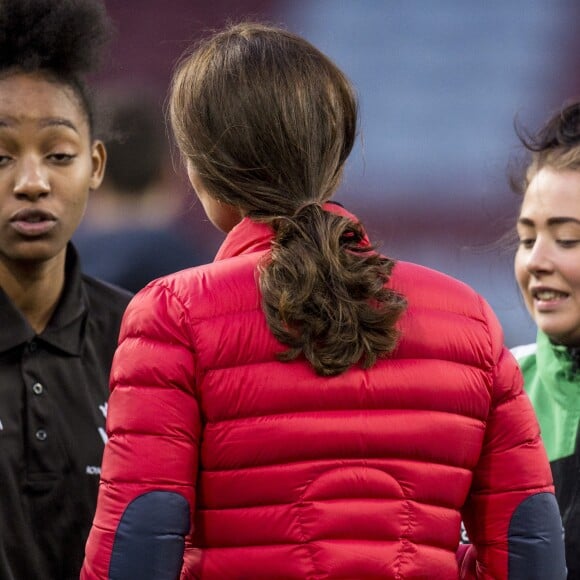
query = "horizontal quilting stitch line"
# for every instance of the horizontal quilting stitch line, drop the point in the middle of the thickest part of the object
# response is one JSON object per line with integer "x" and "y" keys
{"x": 118, "y": 384}
{"x": 240, "y": 420}
{"x": 191, "y": 315}
{"x": 151, "y": 340}
{"x": 235, "y": 312}
{"x": 397, "y": 359}
{"x": 332, "y": 464}
{"x": 147, "y": 485}
{"x": 318, "y": 540}
{"x": 518, "y": 490}
{"x": 288, "y": 463}
{"x": 481, "y": 320}
{"x": 121, "y": 432}
{"x": 328, "y": 501}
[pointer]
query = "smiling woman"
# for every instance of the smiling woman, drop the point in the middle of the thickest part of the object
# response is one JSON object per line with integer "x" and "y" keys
{"x": 547, "y": 262}
{"x": 547, "y": 268}
{"x": 59, "y": 327}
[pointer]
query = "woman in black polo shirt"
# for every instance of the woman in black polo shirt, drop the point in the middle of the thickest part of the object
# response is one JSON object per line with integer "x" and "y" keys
{"x": 58, "y": 328}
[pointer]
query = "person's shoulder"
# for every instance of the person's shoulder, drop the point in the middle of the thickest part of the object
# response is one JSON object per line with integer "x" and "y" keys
{"x": 449, "y": 310}
{"x": 214, "y": 274}
{"x": 218, "y": 288}
{"x": 106, "y": 295}
{"x": 412, "y": 271}
{"x": 426, "y": 287}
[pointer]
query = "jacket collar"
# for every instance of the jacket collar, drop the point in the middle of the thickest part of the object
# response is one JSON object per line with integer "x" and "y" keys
{"x": 246, "y": 237}
{"x": 65, "y": 328}
{"x": 555, "y": 368}
{"x": 249, "y": 236}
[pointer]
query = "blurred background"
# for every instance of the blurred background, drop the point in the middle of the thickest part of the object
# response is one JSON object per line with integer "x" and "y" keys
{"x": 440, "y": 84}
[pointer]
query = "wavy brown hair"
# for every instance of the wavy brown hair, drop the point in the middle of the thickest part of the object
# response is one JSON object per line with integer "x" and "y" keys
{"x": 268, "y": 122}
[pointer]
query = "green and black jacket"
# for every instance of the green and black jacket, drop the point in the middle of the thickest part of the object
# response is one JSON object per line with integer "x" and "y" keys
{"x": 552, "y": 381}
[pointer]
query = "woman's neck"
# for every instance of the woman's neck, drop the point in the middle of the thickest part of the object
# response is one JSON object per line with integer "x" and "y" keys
{"x": 34, "y": 288}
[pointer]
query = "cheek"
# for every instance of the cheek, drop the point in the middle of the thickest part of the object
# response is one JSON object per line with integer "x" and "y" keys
{"x": 78, "y": 195}
{"x": 208, "y": 206}
{"x": 81, "y": 205}
{"x": 573, "y": 277}
{"x": 520, "y": 271}
{"x": 76, "y": 213}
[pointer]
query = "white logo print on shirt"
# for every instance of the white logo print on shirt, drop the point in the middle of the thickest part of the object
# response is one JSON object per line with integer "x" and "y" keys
{"x": 95, "y": 469}
{"x": 102, "y": 432}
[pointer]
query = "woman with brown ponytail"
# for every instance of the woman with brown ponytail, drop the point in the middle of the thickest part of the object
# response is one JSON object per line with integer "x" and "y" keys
{"x": 303, "y": 407}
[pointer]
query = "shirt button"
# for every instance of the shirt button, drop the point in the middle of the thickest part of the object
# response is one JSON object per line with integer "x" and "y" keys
{"x": 37, "y": 389}
{"x": 32, "y": 345}
{"x": 41, "y": 435}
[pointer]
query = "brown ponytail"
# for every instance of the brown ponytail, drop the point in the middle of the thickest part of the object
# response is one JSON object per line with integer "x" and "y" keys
{"x": 268, "y": 121}
{"x": 323, "y": 293}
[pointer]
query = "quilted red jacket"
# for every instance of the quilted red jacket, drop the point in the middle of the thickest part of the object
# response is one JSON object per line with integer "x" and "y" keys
{"x": 266, "y": 470}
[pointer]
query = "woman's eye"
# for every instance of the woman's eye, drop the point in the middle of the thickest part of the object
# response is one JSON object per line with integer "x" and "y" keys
{"x": 4, "y": 160}
{"x": 568, "y": 243}
{"x": 527, "y": 242}
{"x": 61, "y": 157}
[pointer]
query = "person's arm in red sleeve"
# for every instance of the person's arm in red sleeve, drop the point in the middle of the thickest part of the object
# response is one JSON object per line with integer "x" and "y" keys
{"x": 511, "y": 515}
{"x": 147, "y": 492}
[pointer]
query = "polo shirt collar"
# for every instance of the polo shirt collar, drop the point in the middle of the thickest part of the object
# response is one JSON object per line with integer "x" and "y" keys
{"x": 65, "y": 328}
{"x": 14, "y": 329}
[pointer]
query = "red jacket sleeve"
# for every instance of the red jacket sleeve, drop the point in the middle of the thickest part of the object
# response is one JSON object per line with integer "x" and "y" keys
{"x": 147, "y": 491}
{"x": 511, "y": 514}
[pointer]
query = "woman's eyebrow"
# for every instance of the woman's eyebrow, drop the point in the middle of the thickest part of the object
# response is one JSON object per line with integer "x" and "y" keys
{"x": 58, "y": 122}
{"x": 553, "y": 221}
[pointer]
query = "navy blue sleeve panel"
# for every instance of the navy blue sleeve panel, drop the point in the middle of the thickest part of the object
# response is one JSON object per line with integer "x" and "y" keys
{"x": 536, "y": 540}
{"x": 150, "y": 539}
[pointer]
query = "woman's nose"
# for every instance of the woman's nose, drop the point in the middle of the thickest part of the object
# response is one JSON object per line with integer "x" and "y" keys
{"x": 539, "y": 259}
{"x": 31, "y": 180}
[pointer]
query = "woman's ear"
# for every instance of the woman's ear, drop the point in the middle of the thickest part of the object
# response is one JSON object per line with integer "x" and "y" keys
{"x": 99, "y": 162}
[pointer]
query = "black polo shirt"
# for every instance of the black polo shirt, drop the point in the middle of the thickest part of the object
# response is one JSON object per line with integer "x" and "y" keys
{"x": 53, "y": 392}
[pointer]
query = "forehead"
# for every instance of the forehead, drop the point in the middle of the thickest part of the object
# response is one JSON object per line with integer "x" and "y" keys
{"x": 552, "y": 193}
{"x": 28, "y": 98}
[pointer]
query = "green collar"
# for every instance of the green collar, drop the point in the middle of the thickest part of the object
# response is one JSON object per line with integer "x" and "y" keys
{"x": 555, "y": 368}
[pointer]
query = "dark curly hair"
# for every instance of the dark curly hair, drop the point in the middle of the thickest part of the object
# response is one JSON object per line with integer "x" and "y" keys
{"x": 268, "y": 122}
{"x": 63, "y": 39}
{"x": 556, "y": 144}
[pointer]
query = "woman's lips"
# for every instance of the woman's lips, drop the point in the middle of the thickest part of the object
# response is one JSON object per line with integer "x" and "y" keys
{"x": 33, "y": 223}
{"x": 547, "y": 300}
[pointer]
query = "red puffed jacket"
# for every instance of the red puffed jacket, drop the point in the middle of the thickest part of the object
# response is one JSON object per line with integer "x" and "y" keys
{"x": 223, "y": 463}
